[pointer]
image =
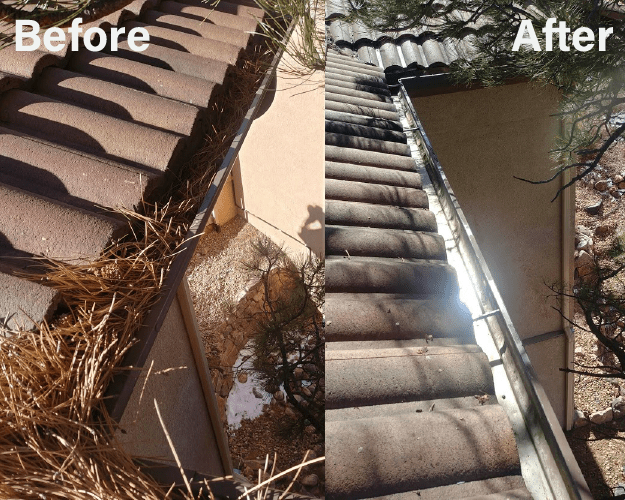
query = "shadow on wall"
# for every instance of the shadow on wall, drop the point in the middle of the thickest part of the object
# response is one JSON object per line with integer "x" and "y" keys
{"x": 268, "y": 98}
{"x": 312, "y": 232}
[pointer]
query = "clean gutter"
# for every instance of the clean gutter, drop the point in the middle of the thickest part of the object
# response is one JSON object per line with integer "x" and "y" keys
{"x": 564, "y": 477}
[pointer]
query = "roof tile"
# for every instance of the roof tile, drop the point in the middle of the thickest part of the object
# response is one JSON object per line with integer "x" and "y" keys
{"x": 104, "y": 131}
{"x": 402, "y": 365}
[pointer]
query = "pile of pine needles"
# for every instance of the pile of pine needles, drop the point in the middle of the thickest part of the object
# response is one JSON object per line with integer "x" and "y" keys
{"x": 56, "y": 438}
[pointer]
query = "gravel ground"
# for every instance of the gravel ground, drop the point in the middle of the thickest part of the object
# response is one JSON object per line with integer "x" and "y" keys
{"x": 217, "y": 281}
{"x": 599, "y": 449}
{"x": 217, "y": 278}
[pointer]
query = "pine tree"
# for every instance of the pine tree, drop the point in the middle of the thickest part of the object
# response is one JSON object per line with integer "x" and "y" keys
{"x": 289, "y": 342}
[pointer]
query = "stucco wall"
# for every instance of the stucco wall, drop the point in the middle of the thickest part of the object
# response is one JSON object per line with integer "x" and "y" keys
{"x": 175, "y": 384}
{"x": 279, "y": 180}
{"x": 225, "y": 207}
{"x": 483, "y": 138}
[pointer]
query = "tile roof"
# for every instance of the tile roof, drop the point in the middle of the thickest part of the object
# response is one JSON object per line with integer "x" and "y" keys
{"x": 405, "y": 380}
{"x": 419, "y": 49}
{"x": 82, "y": 131}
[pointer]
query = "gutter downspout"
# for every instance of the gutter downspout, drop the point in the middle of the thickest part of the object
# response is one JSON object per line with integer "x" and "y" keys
{"x": 568, "y": 270}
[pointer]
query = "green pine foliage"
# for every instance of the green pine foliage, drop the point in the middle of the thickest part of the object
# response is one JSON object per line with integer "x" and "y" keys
{"x": 591, "y": 83}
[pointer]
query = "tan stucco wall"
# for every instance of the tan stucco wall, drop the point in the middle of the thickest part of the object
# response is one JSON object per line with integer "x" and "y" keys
{"x": 225, "y": 207}
{"x": 483, "y": 138}
{"x": 279, "y": 180}
{"x": 547, "y": 358}
{"x": 178, "y": 392}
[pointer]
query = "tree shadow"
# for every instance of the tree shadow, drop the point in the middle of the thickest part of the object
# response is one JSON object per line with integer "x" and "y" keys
{"x": 579, "y": 440}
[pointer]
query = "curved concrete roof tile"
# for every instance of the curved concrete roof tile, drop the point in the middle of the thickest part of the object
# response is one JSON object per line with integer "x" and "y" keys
{"x": 420, "y": 47}
{"x": 402, "y": 366}
{"x": 103, "y": 131}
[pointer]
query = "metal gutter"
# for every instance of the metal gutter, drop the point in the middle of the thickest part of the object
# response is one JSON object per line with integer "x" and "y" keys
{"x": 123, "y": 384}
{"x": 556, "y": 460}
{"x": 227, "y": 488}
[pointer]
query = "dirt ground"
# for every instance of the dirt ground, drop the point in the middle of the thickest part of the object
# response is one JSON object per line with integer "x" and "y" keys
{"x": 275, "y": 431}
{"x": 218, "y": 280}
{"x": 599, "y": 449}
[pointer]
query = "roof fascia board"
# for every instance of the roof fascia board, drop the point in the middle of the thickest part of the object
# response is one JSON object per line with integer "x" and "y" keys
{"x": 201, "y": 365}
{"x": 442, "y": 83}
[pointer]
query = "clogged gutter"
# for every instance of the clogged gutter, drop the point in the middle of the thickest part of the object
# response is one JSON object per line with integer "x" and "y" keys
{"x": 56, "y": 433}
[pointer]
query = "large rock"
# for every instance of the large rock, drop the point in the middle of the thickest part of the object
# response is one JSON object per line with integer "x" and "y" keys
{"x": 601, "y": 185}
{"x": 601, "y": 417}
{"x": 618, "y": 407}
{"x": 594, "y": 208}
{"x": 584, "y": 263}
{"x": 579, "y": 419}
{"x": 310, "y": 480}
{"x": 584, "y": 242}
{"x": 603, "y": 230}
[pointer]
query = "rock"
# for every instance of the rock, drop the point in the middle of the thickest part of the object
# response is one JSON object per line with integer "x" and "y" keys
{"x": 594, "y": 209}
{"x": 621, "y": 185}
{"x": 601, "y": 185}
{"x": 298, "y": 373}
{"x": 224, "y": 391}
{"x": 579, "y": 419}
{"x": 584, "y": 242}
{"x": 584, "y": 263}
{"x": 279, "y": 396}
{"x": 618, "y": 178}
{"x": 579, "y": 350}
{"x": 257, "y": 393}
{"x": 310, "y": 480}
{"x": 601, "y": 417}
{"x": 603, "y": 230}
{"x": 242, "y": 377}
{"x": 306, "y": 392}
{"x": 229, "y": 381}
{"x": 583, "y": 230}
{"x": 619, "y": 490}
{"x": 311, "y": 368}
{"x": 618, "y": 407}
